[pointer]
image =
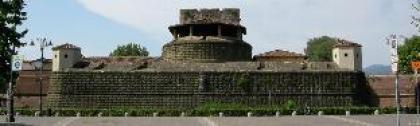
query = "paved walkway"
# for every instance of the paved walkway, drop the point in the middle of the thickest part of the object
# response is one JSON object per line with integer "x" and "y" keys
{"x": 358, "y": 120}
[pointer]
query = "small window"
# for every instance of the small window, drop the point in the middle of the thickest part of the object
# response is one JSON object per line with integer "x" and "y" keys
{"x": 55, "y": 56}
{"x": 335, "y": 56}
{"x": 345, "y": 54}
{"x": 65, "y": 56}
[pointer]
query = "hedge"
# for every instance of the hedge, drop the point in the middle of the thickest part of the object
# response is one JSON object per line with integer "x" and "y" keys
{"x": 213, "y": 111}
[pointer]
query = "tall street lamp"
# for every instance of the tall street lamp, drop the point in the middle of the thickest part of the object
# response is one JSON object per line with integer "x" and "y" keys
{"x": 42, "y": 43}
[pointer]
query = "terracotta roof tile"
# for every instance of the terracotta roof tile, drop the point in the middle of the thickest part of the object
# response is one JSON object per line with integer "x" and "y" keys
{"x": 345, "y": 43}
{"x": 66, "y": 46}
{"x": 281, "y": 53}
{"x": 124, "y": 63}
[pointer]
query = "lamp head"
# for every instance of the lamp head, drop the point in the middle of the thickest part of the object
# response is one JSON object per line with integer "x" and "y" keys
{"x": 32, "y": 43}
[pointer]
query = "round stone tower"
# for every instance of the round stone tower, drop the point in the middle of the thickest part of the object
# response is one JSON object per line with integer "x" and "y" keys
{"x": 207, "y": 35}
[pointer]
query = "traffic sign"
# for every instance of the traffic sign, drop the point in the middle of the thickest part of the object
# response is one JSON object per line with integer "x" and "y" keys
{"x": 17, "y": 62}
{"x": 415, "y": 65}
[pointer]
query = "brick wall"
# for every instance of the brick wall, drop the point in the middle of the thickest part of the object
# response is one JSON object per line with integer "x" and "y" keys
{"x": 383, "y": 88}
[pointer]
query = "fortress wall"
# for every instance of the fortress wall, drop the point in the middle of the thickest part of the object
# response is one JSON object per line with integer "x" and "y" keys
{"x": 189, "y": 89}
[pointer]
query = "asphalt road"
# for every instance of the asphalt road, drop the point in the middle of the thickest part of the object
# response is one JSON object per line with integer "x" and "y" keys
{"x": 358, "y": 120}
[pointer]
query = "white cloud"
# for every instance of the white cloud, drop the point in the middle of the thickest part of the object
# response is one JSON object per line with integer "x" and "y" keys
{"x": 273, "y": 24}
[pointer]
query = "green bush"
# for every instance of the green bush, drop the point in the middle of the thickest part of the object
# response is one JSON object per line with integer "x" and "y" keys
{"x": 213, "y": 109}
{"x": 290, "y": 104}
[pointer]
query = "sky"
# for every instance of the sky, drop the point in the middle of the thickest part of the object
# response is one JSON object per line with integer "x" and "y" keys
{"x": 99, "y": 26}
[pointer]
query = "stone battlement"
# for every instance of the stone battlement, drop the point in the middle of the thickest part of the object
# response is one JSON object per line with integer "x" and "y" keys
{"x": 206, "y": 16}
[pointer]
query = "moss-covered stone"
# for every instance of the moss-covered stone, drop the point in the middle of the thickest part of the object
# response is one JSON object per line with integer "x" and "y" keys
{"x": 189, "y": 89}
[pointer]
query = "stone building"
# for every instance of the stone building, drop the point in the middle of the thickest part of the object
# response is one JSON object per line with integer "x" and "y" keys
{"x": 347, "y": 55}
{"x": 65, "y": 56}
{"x": 207, "y": 61}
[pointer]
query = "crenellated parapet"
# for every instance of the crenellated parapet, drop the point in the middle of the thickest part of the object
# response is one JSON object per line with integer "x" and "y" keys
{"x": 205, "y": 16}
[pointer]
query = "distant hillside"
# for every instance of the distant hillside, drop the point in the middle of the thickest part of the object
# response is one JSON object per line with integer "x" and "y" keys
{"x": 377, "y": 69}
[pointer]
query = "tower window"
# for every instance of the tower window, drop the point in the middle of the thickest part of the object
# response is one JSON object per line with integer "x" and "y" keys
{"x": 345, "y": 54}
{"x": 335, "y": 56}
{"x": 65, "y": 56}
{"x": 55, "y": 56}
{"x": 229, "y": 31}
{"x": 206, "y": 30}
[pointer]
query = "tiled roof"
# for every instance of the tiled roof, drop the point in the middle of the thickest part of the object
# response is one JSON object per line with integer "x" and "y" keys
{"x": 123, "y": 63}
{"x": 345, "y": 43}
{"x": 281, "y": 53}
{"x": 66, "y": 46}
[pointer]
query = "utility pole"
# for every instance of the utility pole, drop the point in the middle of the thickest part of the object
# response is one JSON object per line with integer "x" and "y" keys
{"x": 392, "y": 40}
{"x": 418, "y": 90}
{"x": 10, "y": 110}
{"x": 15, "y": 66}
{"x": 415, "y": 65}
{"x": 397, "y": 98}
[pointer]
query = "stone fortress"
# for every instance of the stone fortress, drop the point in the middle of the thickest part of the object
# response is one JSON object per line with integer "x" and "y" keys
{"x": 207, "y": 61}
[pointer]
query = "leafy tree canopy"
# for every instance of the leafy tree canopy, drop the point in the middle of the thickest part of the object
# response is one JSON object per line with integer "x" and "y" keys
{"x": 130, "y": 49}
{"x": 409, "y": 51}
{"x": 319, "y": 49}
{"x": 11, "y": 16}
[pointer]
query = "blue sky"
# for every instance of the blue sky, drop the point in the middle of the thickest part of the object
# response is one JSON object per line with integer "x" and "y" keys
{"x": 98, "y": 26}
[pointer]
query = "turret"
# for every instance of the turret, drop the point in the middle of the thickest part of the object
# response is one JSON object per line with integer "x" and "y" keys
{"x": 347, "y": 55}
{"x": 65, "y": 56}
{"x": 207, "y": 35}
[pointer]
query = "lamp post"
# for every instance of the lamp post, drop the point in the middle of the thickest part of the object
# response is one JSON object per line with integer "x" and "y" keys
{"x": 42, "y": 43}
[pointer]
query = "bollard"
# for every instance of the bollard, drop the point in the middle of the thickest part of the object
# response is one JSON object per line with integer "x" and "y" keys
{"x": 320, "y": 113}
{"x": 126, "y": 114}
{"x": 17, "y": 113}
{"x": 294, "y": 113}
{"x": 155, "y": 114}
{"x": 249, "y": 114}
{"x": 182, "y": 114}
{"x": 36, "y": 113}
{"x": 220, "y": 114}
{"x": 57, "y": 114}
{"x": 100, "y": 114}
{"x": 347, "y": 113}
{"x": 376, "y": 112}
{"x": 78, "y": 114}
{"x": 277, "y": 114}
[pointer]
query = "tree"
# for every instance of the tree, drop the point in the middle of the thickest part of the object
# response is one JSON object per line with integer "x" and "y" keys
{"x": 409, "y": 51}
{"x": 130, "y": 49}
{"x": 11, "y": 16}
{"x": 416, "y": 19}
{"x": 319, "y": 49}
